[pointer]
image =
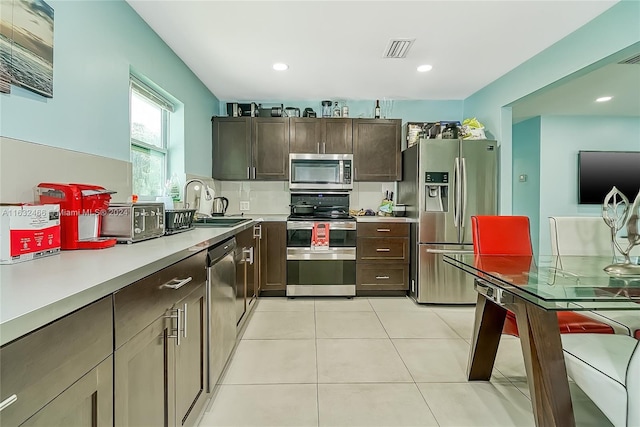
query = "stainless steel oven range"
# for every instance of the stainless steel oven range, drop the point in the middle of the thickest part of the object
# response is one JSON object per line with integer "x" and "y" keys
{"x": 319, "y": 264}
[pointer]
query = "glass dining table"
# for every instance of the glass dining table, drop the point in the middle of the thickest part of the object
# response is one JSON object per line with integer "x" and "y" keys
{"x": 535, "y": 289}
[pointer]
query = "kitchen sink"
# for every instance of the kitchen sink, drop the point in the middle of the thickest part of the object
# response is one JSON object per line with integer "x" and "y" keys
{"x": 219, "y": 222}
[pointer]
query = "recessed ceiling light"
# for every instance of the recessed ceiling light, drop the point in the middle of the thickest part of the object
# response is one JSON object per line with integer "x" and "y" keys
{"x": 280, "y": 66}
{"x": 424, "y": 68}
{"x": 604, "y": 99}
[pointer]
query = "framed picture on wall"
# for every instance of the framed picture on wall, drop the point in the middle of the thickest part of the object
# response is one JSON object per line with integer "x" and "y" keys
{"x": 6, "y": 40}
{"x": 32, "y": 48}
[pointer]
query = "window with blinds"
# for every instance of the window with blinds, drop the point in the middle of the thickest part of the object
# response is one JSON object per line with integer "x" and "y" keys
{"x": 150, "y": 114}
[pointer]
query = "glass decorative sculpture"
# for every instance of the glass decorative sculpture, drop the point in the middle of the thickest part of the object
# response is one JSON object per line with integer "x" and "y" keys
{"x": 616, "y": 214}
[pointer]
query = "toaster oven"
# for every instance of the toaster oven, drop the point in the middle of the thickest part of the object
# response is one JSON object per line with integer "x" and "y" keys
{"x": 133, "y": 222}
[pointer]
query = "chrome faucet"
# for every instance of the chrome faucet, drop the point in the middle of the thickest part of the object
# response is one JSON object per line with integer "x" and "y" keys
{"x": 207, "y": 194}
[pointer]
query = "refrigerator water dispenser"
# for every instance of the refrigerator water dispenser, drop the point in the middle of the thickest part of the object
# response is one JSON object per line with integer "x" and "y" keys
{"x": 436, "y": 192}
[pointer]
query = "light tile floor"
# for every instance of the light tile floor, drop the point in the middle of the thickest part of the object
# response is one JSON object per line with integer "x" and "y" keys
{"x": 370, "y": 362}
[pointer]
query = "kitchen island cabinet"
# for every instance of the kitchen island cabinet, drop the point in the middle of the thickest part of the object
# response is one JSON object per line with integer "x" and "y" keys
{"x": 247, "y": 148}
{"x": 273, "y": 259}
{"x": 376, "y": 150}
{"x": 321, "y": 136}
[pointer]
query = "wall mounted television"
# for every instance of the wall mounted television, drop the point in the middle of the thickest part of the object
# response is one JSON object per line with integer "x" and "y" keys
{"x": 599, "y": 171}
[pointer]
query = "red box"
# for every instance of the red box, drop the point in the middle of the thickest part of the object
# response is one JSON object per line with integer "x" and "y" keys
{"x": 28, "y": 232}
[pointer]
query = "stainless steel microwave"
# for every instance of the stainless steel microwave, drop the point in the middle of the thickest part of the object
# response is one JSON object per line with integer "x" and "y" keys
{"x": 320, "y": 171}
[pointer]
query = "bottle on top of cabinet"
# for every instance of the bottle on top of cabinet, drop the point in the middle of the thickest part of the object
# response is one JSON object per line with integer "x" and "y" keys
{"x": 376, "y": 113}
{"x": 336, "y": 109}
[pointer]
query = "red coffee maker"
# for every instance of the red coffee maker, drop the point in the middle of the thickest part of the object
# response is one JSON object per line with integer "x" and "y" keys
{"x": 82, "y": 207}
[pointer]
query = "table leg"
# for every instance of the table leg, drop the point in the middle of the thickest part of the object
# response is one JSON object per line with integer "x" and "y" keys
{"x": 544, "y": 362}
{"x": 487, "y": 329}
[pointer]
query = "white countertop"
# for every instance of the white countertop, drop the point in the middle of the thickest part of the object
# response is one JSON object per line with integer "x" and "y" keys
{"x": 34, "y": 293}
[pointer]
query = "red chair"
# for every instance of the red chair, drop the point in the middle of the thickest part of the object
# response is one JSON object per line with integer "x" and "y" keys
{"x": 509, "y": 235}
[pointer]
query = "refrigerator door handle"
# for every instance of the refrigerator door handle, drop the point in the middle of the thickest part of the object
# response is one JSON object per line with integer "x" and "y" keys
{"x": 463, "y": 198}
{"x": 457, "y": 188}
{"x": 450, "y": 251}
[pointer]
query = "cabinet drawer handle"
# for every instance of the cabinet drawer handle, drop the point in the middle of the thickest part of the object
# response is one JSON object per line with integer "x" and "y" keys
{"x": 8, "y": 402}
{"x": 176, "y": 283}
{"x": 249, "y": 253}
{"x": 382, "y": 277}
{"x": 177, "y": 316}
{"x": 383, "y": 230}
{"x": 184, "y": 321}
{"x": 383, "y": 250}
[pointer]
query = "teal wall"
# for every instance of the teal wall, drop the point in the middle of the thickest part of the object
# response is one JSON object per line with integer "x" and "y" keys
{"x": 607, "y": 38}
{"x": 526, "y": 161}
{"x": 96, "y": 43}
{"x": 561, "y": 137}
{"x": 408, "y": 111}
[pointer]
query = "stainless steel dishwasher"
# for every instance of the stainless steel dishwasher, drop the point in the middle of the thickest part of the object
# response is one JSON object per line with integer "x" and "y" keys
{"x": 221, "y": 301}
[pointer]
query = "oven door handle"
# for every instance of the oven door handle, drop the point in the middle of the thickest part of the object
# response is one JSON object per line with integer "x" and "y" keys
{"x": 331, "y": 254}
{"x": 333, "y": 225}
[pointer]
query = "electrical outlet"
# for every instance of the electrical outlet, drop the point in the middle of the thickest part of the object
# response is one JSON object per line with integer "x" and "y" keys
{"x": 244, "y": 206}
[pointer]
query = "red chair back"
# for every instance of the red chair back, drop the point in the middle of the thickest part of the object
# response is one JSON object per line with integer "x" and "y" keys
{"x": 501, "y": 235}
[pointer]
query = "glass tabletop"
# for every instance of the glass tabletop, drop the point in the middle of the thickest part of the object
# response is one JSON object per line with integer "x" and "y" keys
{"x": 555, "y": 282}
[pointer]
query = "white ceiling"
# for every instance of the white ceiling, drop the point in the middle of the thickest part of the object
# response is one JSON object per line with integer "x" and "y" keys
{"x": 334, "y": 48}
{"x": 577, "y": 96}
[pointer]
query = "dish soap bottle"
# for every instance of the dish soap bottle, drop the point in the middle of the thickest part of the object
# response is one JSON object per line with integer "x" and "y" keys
{"x": 174, "y": 190}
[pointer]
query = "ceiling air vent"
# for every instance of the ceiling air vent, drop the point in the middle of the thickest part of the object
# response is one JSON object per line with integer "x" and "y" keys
{"x": 398, "y": 48}
{"x": 633, "y": 60}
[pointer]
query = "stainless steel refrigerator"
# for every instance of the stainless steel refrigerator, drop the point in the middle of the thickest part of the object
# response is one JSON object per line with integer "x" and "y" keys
{"x": 445, "y": 182}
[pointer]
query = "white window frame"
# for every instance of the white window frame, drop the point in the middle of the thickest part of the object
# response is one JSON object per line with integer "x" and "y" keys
{"x": 143, "y": 90}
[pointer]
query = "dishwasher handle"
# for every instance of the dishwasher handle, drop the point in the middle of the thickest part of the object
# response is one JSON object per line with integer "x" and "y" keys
{"x": 220, "y": 251}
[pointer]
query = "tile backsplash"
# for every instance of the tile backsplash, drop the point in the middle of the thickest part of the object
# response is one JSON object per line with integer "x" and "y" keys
{"x": 274, "y": 197}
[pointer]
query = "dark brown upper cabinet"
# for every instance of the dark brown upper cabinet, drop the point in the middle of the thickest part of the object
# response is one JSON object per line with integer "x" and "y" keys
{"x": 321, "y": 136}
{"x": 376, "y": 150}
{"x": 250, "y": 148}
{"x": 270, "y": 148}
{"x": 231, "y": 148}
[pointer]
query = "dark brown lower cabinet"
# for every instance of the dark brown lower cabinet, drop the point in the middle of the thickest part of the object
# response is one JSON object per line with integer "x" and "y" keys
{"x": 378, "y": 277}
{"x": 382, "y": 258}
{"x": 88, "y": 402}
{"x": 144, "y": 380}
{"x": 60, "y": 374}
{"x": 273, "y": 256}
{"x": 190, "y": 365}
{"x": 160, "y": 335}
{"x": 154, "y": 370}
